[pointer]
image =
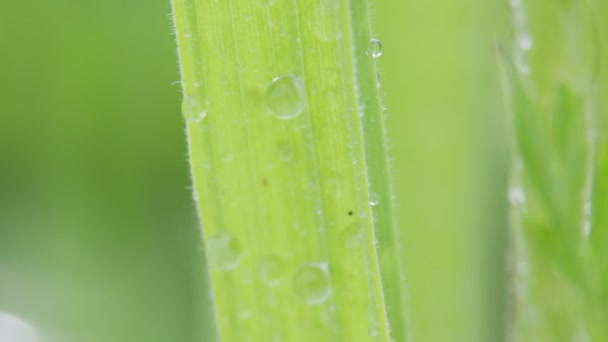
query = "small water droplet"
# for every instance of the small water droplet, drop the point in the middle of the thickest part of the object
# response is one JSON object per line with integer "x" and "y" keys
{"x": 14, "y": 329}
{"x": 375, "y": 50}
{"x": 228, "y": 158}
{"x": 311, "y": 283}
{"x": 325, "y": 20}
{"x": 334, "y": 100}
{"x": 373, "y": 199}
{"x": 373, "y": 331}
{"x": 223, "y": 252}
{"x": 193, "y": 109}
{"x": 197, "y": 84}
{"x": 265, "y": 2}
{"x": 188, "y": 34}
{"x": 285, "y": 152}
{"x": 244, "y": 315}
{"x": 352, "y": 236}
{"x": 286, "y": 96}
{"x": 271, "y": 270}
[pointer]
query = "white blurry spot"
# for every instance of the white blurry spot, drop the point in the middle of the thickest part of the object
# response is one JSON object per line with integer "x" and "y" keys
{"x": 14, "y": 329}
{"x": 517, "y": 196}
{"x": 587, "y": 216}
{"x": 525, "y": 41}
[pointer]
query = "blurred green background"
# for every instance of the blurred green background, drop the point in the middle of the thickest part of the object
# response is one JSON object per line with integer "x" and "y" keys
{"x": 98, "y": 237}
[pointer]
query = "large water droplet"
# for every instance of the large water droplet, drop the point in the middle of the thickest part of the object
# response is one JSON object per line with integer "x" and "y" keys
{"x": 286, "y": 96}
{"x": 375, "y": 49}
{"x": 271, "y": 270}
{"x": 194, "y": 109}
{"x": 311, "y": 283}
{"x": 13, "y": 329}
{"x": 223, "y": 252}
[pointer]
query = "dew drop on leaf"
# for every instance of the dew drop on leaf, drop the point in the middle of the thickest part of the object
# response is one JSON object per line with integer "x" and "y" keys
{"x": 373, "y": 331}
{"x": 373, "y": 199}
{"x": 517, "y": 196}
{"x": 14, "y": 329}
{"x": 286, "y": 96}
{"x": 325, "y": 19}
{"x": 352, "y": 236}
{"x": 264, "y": 3}
{"x": 311, "y": 283}
{"x": 194, "y": 109}
{"x": 223, "y": 252}
{"x": 375, "y": 49}
{"x": 270, "y": 270}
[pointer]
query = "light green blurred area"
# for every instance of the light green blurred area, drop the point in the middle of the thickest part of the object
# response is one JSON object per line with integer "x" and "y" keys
{"x": 98, "y": 238}
{"x": 449, "y": 158}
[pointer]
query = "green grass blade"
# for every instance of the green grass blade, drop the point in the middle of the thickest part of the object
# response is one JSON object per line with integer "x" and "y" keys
{"x": 283, "y": 123}
{"x": 553, "y": 81}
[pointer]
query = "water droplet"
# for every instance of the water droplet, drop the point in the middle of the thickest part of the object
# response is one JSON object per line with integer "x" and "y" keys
{"x": 286, "y": 96}
{"x": 13, "y": 329}
{"x": 373, "y": 331}
{"x": 334, "y": 100}
{"x": 244, "y": 315}
{"x": 375, "y": 50}
{"x": 285, "y": 152}
{"x": 228, "y": 158}
{"x": 264, "y": 2}
{"x": 332, "y": 78}
{"x": 188, "y": 34}
{"x": 193, "y": 109}
{"x": 223, "y": 252}
{"x": 197, "y": 84}
{"x": 517, "y": 196}
{"x": 352, "y": 236}
{"x": 373, "y": 199}
{"x": 311, "y": 283}
{"x": 325, "y": 20}
{"x": 271, "y": 270}
{"x": 525, "y": 41}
